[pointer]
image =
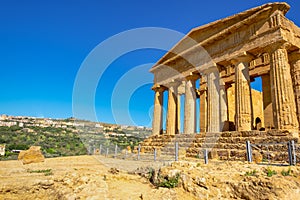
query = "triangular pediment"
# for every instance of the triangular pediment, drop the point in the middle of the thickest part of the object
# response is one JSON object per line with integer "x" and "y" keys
{"x": 215, "y": 30}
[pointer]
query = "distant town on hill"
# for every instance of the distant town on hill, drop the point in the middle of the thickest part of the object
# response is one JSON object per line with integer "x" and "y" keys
{"x": 64, "y": 137}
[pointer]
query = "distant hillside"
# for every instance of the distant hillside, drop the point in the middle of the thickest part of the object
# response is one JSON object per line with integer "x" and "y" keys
{"x": 65, "y": 137}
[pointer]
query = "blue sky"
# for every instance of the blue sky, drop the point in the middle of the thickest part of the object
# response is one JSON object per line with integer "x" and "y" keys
{"x": 43, "y": 44}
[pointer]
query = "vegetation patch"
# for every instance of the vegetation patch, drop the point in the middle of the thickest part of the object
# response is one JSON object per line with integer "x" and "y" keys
{"x": 159, "y": 180}
{"x": 151, "y": 173}
{"x": 169, "y": 182}
{"x": 68, "y": 141}
{"x": 270, "y": 172}
{"x": 46, "y": 172}
{"x": 286, "y": 173}
{"x": 251, "y": 173}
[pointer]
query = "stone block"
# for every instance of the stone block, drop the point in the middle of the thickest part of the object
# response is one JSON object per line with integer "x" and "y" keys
{"x": 32, "y": 155}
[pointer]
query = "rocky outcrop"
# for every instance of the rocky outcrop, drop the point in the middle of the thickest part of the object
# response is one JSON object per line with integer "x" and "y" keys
{"x": 32, "y": 155}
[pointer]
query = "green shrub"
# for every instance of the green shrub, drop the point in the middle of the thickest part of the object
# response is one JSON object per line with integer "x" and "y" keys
{"x": 251, "y": 173}
{"x": 270, "y": 172}
{"x": 48, "y": 173}
{"x": 170, "y": 182}
{"x": 51, "y": 151}
{"x": 151, "y": 173}
{"x": 286, "y": 173}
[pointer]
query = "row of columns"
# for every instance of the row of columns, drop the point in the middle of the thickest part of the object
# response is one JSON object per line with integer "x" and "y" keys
{"x": 209, "y": 108}
{"x": 213, "y": 97}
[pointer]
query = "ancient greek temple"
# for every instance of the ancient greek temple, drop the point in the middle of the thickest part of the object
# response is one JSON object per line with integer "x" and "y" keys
{"x": 223, "y": 58}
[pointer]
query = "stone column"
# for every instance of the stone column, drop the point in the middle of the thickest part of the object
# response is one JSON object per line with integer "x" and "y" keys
{"x": 190, "y": 105}
{"x": 178, "y": 112}
{"x": 267, "y": 101}
{"x": 213, "y": 100}
{"x": 223, "y": 107}
{"x": 294, "y": 59}
{"x": 242, "y": 95}
{"x": 203, "y": 104}
{"x": 283, "y": 100}
{"x": 172, "y": 120}
{"x": 158, "y": 111}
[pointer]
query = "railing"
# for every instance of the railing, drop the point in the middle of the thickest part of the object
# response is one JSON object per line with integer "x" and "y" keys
{"x": 281, "y": 153}
{"x": 114, "y": 151}
{"x": 285, "y": 152}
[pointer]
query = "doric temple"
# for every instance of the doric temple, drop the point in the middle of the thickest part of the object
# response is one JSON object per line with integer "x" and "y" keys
{"x": 229, "y": 54}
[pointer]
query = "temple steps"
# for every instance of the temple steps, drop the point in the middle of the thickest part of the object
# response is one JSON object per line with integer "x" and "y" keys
{"x": 223, "y": 146}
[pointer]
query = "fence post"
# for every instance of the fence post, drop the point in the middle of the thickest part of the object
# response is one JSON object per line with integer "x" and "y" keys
{"x": 90, "y": 150}
{"x": 100, "y": 148}
{"x": 205, "y": 156}
{"x": 249, "y": 151}
{"x": 291, "y": 153}
{"x": 294, "y": 153}
{"x": 176, "y": 151}
{"x": 116, "y": 151}
{"x": 106, "y": 152}
{"x": 139, "y": 150}
{"x": 154, "y": 154}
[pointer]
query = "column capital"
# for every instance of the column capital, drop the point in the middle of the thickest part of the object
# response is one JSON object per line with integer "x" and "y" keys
{"x": 203, "y": 87}
{"x": 224, "y": 85}
{"x": 193, "y": 76}
{"x": 203, "y": 84}
{"x": 294, "y": 56}
{"x": 279, "y": 45}
{"x": 244, "y": 57}
{"x": 173, "y": 84}
{"x": 211, "y": 69}
{"x": 158, "y": 88}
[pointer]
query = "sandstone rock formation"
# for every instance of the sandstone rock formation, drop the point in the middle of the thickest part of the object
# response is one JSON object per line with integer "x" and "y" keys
{"x": 32, "y": 155}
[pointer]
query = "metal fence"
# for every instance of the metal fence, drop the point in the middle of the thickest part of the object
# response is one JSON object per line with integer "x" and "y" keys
{"x": 114, "y": 151}
{"x": 273, "y": 153}
{"x": 281, "y": 153}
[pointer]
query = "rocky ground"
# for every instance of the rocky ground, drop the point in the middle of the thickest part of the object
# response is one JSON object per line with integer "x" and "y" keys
{"x": 95, "y": 177}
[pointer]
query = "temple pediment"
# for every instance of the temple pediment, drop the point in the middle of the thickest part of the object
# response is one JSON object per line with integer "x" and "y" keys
{"x": 219, "y": 36}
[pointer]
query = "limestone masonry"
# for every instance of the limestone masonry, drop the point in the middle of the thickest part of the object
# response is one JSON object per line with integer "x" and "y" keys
{"x": 225, "y": 56}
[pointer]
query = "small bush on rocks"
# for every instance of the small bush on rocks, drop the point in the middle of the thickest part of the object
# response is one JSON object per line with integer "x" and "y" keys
{"x": 251, "y": 173}
{"x": 270, "y": 172}
{"x": 169, "y": 182}
{"x": 286, "y": 173}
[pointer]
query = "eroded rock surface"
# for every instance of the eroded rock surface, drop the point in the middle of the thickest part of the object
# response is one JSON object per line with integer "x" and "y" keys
{"x": 90, "y": 177}
{"x": 32, "y": 155}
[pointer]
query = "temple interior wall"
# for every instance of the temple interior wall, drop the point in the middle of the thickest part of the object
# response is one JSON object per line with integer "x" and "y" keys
{"x": 257, "y": 105}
